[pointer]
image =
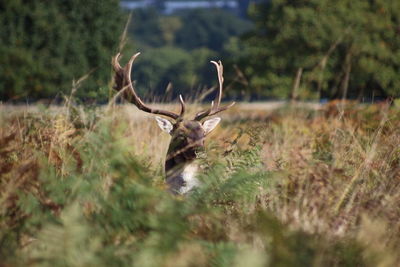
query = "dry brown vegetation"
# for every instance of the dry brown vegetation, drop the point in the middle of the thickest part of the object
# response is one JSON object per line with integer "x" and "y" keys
{"x": 291, "y": 186}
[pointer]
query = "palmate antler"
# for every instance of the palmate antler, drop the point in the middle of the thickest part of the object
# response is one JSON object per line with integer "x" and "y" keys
{"x": 123, "y": 82}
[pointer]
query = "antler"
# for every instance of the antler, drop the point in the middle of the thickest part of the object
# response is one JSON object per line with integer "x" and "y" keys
{"x": 123, "y": 83}
{"x": 215, "y": 108}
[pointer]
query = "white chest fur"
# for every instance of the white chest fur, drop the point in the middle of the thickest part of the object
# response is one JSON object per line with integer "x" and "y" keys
{"x": 188, "y": 175}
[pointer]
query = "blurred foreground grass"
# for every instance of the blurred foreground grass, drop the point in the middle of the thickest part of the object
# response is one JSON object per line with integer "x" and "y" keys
{"x": 288, "y": 187}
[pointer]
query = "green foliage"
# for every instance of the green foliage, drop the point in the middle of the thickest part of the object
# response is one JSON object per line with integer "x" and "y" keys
{"x": 177, "y": 48}
{"x": 209, "y": 28}
{"x": 349, "y": 49}
{"x": 45, "y": 45}
{"x": 174, "y": 67}
{"x": 84, "y": 197}
{"x": 146, "y": 28}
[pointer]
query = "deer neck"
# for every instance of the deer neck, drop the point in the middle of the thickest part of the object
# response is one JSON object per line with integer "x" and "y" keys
{"x": 181, "y": 173}
{"x": 177, "y": 164}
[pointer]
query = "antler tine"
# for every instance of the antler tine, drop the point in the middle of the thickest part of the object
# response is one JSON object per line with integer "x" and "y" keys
{"x": 123, "y": 81}
{"x": 119, "y": 73}
{"x": 220, "y": 72}
{"x": 182, "y": 106}
{"x": 215, "y": 108}
{"x": 115, "y": 62}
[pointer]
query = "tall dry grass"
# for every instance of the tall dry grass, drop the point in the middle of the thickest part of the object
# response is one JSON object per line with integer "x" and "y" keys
{"x": 291, "y": 186}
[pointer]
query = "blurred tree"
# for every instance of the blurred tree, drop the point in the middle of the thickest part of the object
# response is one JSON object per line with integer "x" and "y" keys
{"x": 46, "y": 44}
{"x": 169, "y": 26}
{"x": 243, "y": 6}
{"x": 145, "y": 28}
{"x": 177, "y": 48}
{"x": 209, "y": 28}
{"x": 345, "y": 49}
{"x": 160, "y": 68}
{"x": 148, "y": 28}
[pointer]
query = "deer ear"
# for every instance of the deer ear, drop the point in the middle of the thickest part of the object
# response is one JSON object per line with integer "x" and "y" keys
{"x": 164, "y": 124}
{"x": 210, "y": 124}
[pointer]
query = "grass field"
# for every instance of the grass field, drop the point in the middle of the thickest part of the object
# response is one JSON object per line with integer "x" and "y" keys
{"x": 283, "y": 186}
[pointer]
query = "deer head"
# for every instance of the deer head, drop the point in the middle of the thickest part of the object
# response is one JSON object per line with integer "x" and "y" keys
{"x": 187, "y": 134}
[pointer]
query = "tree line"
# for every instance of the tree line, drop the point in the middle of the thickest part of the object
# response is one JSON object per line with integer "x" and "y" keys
{"x": 345, "y": 49}
{"x": 309, "y": 49}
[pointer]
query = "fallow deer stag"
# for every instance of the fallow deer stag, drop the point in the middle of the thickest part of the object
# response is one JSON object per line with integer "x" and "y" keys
{"x": 187, "y": 136}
